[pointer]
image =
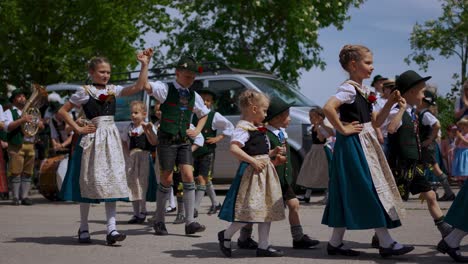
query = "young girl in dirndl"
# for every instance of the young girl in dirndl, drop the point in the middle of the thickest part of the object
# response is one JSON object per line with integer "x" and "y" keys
{"x": 255, "y": 194}
{"x": 96, "y": 172}
{"x": 362, "y": 190}
{"x": 314, "y": 169}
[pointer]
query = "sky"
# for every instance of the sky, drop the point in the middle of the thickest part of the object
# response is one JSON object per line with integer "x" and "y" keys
{"x": 384, "y": 26}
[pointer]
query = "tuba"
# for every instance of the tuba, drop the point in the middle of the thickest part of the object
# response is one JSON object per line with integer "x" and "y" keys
{"x": 37, "y": 99}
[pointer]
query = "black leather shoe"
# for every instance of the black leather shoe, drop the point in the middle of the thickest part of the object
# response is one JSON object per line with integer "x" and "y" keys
{"x": 193, "y": 228}
{"x": 375, "y": 241}
{"x": 26, "y": 201}
{"x": 390, "y": 251}
{"x": 15, "y": 202}
{"x": 247, "y": 244}
{"x": 111, "y": 239}
{"x": 160, "y": 229}
{"x": 446, "y": 198}
{"x": 137, "y": 220}
{"x": 269, "y": 252}
{"x": 225, "y": 250}
{"x": 214, "y": 209}
{"x": 454, "y": 253}
{"x": 84, "y": 240}
{"x": 305, "y": 242}
{"x": 331, "y": 250}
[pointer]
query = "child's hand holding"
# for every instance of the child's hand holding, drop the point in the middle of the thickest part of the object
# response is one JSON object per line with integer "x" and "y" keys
{"x": 147, "y": 127}
{"x": 259, "y": 165}
{"x": 191, "y": 133}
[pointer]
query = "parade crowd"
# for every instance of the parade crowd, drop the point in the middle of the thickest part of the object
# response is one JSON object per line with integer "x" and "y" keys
{"x": 371, "y": 149}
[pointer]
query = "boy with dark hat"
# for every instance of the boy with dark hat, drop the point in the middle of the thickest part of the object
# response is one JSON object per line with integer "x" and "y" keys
{"x": 204, "y": 157}
{"x": 405, "y": 146}
{"x": 20, "y": 149}
{"x": 178, "y": 104}
{"x": 429, "y": 128}
{"x": 278, "y": 119}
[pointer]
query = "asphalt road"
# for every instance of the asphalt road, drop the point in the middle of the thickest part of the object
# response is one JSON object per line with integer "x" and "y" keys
{"x": 46, "y": 233}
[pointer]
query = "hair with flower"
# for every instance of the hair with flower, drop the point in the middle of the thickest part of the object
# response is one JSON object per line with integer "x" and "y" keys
{"x": 251, "y": 97}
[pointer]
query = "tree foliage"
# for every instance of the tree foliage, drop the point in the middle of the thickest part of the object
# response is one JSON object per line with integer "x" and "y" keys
{"x": 273, "y": 35}
{"x": 447, "y": 36}
{"x": 48, "y": 41}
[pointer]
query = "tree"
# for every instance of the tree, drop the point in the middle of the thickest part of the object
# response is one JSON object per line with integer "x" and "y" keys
{"x": 278, "y": 36}
{"x": 48, "y": 41}
{"x": 448, "y": 35}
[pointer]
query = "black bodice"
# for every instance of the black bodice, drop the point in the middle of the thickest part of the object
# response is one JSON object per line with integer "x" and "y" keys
{"x": 315, "y": 139}
{"x": 360, "y": 110}
{"x": 257, "y": 144}
{"x": 140, "y": 142}
{"x": 94, "y": 107}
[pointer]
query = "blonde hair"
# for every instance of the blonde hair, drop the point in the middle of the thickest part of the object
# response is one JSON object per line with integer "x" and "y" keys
{"x": 462, "y": 122}
{"x": 351, "y": 52}
{"x": 139, "y": 104}
{"x": 251, "y": 97}
{"x": 95, "y": 61}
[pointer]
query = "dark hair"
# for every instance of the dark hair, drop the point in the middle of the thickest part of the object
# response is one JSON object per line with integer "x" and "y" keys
{"x": 351, "y": 52}
{"x": 94, "y": 61}
{"x": 318, "y": 111}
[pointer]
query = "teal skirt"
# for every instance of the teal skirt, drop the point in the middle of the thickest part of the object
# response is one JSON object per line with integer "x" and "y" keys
{"x": 227, "y": 210}
{"x": 70, "y": 190}
{"x": 353, "y": 202}
{"x": 457, "y": 215}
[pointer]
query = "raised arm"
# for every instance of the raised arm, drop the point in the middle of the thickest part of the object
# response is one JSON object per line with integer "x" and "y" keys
{"x": 144, "y": 59}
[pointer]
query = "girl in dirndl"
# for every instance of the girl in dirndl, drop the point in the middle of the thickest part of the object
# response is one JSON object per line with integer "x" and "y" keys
{"x": 362, "y": 190}
{"x": 314, "y": 169}
{"x": 141, "y": 178}
{"x": 255, "y": 194}
{"x": 96, "y": 172}
{"x": 460, "y": 153}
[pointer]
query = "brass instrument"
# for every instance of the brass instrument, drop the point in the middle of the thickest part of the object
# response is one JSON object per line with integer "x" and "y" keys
{"x": 37, "y": 99}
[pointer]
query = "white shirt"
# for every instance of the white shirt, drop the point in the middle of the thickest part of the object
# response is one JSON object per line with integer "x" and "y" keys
{"x": 347, "y": 93}
{"x": 132, "y": 129}
{"x": 276, "y": 131}
{"x": 222, "y": 124}
{"x": 199, "y": 140}
{"x": 377, "y": 107}
{"x": 160, "y": 91}
{"x": 81, "y": 96}
{"x": 428, "y": 119}
{"x": 8, "y": 119}
{"x": 241, "y": 134}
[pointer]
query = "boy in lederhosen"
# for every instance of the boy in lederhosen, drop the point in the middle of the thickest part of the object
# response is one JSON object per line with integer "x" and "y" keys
{"x": 405, "y": 157}
{"x": 178, "y": 104}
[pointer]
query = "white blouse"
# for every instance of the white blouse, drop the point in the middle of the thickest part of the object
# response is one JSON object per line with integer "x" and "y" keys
{"x": 81, "y": 96}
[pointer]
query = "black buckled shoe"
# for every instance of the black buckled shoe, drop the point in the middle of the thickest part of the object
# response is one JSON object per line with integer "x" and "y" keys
{"x": 225, "y": 250}
{"x": 84, "y": 240}
{"x": 111, "y": 238}
{"x": 249, "y": 243}
{"x": 305, "y": 242}
{"x": 193, "y": 228}
{"x": 137, "y": 220}
{"x": 375, "y": 242}
{"x": 331, "y": 250}
{"x": 446, "y": 198}
{"x": 454, "y": 253}
{"x": 390, "y": 251}
{"x": 269, "y": 252}
{"x": 214, "y": 209}
{"x": 160, "y": 229}
{"x": 26, "y": 201}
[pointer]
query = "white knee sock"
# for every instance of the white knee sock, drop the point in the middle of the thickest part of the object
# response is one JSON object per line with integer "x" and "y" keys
{"x": 263, "y": 235}
{"x": 84, "y": 213}
{"x": 172, "y": 201}
{"x": 455, "y": 237}
{"x": 230, "y": 231}
{"x": 143, "y": 210}
{"x": 110, "y": 215}
{"x": 385, "y": 239}
{"x": 336, "y": 238}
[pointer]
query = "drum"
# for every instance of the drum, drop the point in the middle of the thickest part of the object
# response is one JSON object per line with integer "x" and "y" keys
{"x": 51, "y": 175}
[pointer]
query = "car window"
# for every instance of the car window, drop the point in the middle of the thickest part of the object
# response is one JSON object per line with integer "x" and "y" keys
{"x": 279, "y": 89}
{"x": 122, "y": 112}
{"x": 227, "y": 94}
